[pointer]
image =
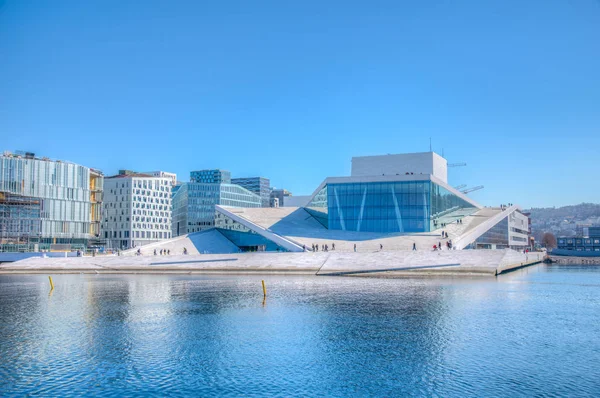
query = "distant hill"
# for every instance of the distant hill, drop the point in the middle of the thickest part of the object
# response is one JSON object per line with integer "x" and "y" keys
{"x": 563, "y": 221}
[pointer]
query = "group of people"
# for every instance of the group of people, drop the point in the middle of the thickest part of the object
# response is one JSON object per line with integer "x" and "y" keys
{"x": 439, "y": 245}
{"x": 163, "y": 252}
{"x": 324, "y": 248}
{"x": 443, "y": 225}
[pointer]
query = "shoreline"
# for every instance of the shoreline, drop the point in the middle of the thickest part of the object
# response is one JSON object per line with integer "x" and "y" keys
{"x": 393, "y": 263}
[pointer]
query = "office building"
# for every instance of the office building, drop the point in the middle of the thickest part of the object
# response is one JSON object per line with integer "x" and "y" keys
{"x": 48, "y": 204}
{"x": 137, "y": 209}
{"x": 258, "y": 185}
{"x": 194, "y": 202}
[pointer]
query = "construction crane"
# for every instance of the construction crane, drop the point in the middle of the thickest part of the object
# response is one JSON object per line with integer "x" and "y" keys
{"x": 457, "y": 164}
{"x": 477, "y": 188}
{"x": 461, "y": 186}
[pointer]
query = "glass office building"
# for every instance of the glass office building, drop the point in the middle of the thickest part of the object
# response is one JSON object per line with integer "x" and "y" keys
{"x": 258, "y": 185}
{"x": 194, "y": 204}
{"x": 48, "y": 205}
{"x": 387, "y": 206}
{"x": 213, "y": 176}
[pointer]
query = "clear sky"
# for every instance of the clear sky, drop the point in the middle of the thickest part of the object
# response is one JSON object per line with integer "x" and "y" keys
{"x": 291, "y": 90}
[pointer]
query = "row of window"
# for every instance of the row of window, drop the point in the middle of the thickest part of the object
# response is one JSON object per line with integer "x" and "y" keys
{"x": 586, "y": 241}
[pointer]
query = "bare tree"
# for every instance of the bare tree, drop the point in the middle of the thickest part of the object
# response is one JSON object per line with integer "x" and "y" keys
{"x": 549, "y": 240}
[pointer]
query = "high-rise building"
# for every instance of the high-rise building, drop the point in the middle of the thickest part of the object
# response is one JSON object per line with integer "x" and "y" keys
{"x": 194, "y": 202}
{"x": 48, "y": 204}
{"x": 137, "y": 209}
{"x": 258, "y": 185}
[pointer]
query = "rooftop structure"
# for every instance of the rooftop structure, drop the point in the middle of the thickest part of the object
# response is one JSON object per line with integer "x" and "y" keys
{"x": 166, "y": 174}
{"x": 215, "y": 176}
{"x": 427, "y": 163}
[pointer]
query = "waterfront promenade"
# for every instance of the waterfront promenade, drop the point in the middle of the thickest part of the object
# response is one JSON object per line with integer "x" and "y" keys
{"x": 378, "y": 263}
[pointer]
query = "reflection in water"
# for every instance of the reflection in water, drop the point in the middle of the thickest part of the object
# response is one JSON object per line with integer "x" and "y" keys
{"x": 213, "y": 335}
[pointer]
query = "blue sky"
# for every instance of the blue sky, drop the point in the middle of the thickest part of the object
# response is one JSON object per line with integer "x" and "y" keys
{"x": 292, "y": 90}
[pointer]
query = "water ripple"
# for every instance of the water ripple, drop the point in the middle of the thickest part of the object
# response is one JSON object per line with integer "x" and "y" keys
{"x": 533, "y": 333}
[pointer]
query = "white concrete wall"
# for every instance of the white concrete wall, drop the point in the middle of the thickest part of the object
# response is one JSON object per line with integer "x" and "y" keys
{"x": 519, "y": 221}
{"x": 296, "y": 201}
{"x": 400, "y": 164}
{"x": 440, "y": 167}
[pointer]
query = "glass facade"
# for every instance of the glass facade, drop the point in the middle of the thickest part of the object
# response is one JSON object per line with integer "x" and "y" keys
{"x": 45, "y": 203}
{"x": 215, "y": 176}
{"x": 242, "y": 236}
{"x": 258, "y": 185}
{"x": 579, "y": 243}
{"x": 194, "y": 204}
{"x": 389, "y": 207}
{"x": 496, "y": 237}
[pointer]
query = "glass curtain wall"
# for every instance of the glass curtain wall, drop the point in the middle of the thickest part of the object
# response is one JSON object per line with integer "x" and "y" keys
{"x": 379, "y": 207}
{"x": 242, "y": 236}
{"x": 446, "y": 207}
{"x": 496, "y": 237}
{"x": 318, "y": 207}
{"x": 388, "y": 207}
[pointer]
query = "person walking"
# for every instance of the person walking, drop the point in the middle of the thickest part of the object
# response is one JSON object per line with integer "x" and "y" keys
{"x": 440, "y": 245}
{"x": 355, "y": 247}
{"x": 332, "y": 246}
{"x": 380, "y": 247}
{"x": 414, "y": 246}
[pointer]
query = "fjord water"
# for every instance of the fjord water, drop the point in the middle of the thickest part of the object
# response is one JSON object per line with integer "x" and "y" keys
{"x": 535, "y": 332}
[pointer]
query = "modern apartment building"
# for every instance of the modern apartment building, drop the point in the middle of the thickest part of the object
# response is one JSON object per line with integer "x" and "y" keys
{"x": 194, "y": 202}
{"x": 258, "y": 185}
{"x": 48, "y": 204}
{"x": 137, "y": 209}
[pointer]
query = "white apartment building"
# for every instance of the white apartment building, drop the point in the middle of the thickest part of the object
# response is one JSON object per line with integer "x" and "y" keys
{"x": 137, "y": 209}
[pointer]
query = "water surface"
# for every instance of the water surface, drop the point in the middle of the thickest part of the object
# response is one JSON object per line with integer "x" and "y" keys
{"x": 534, "y": 332}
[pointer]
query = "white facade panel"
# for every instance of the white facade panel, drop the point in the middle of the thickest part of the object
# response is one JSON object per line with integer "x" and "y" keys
{"x": 401, "y": 164}
{"x": 137, "y": 210}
